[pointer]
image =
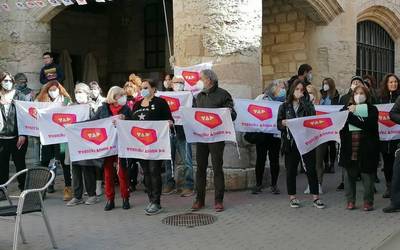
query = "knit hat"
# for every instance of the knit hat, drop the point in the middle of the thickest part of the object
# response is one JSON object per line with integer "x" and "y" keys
{"x": 357, "y": 78}
{"x": 20, "y": 78}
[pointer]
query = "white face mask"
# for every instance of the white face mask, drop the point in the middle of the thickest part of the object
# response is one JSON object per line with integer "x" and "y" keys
{"x": 95, "y": 93}
{"x": 298, "y": 94}
{"x": 309, "y": 77}
{"x": 178, "y": 87}
{"x": 7, "y": 83}
{"x": 166, "y": 84}
{"x": 326, "y": 87}
{"x": 360, "y": 99}
{"x": 81, "y": 98}
{"x": 200, "y": 84}
{"x": 54, "y": 93}
{"x": 122, "y": 100}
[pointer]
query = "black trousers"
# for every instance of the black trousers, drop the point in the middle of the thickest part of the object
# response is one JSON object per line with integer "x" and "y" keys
{"x": 395, "y": 197}
{"x": 133, "y": 171}
{"x": 8, "y": 147}
{"x": 331, "y": 153}
{"x": 83, "y": 174}
{"x": 388, "y": 161}
{"x": 272, "y": 148}
{"x": 203, "y": 150}
{"x": 152, "y": 179}
{"x": 53, "y": 151}
{"x": 292, "y": 160}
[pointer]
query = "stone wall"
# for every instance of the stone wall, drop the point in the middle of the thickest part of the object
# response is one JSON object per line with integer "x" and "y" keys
{"x": 285, "y": 40}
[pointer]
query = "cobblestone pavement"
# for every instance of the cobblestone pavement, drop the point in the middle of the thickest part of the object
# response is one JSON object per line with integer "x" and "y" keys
{"x": 262, "y": 221}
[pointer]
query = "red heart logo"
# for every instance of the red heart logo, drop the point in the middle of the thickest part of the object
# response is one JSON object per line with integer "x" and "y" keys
{"x": 321, "y": 113}
{"x": 260, "y": 112}
{"x": 33, "y": 112}
{"x": 191, "y": 77}
{"x": 210, "y": 120}
{"x": 384, "y": 118}
{"x": 63, "y": 119}
{"x": 145, "y": 136}
{"x": 173, "y": 103}
{"x": 318, "y": 123}
{"x": 95, "y": 135}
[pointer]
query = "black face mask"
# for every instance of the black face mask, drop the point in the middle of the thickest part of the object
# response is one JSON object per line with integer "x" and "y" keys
{"x": 20, "y": 86}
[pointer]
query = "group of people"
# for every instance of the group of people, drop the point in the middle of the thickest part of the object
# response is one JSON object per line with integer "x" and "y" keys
{"x": 359, "y": 151}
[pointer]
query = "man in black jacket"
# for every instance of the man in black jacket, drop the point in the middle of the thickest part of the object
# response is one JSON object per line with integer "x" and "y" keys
{"x": 50, "y": 70}
{"x": 395, "y": 198}
{"x": 211, "y": 96}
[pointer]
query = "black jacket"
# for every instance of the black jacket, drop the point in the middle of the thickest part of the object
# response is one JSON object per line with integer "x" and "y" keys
{"x": 215, "y": 97}
{"x": 105, "y": 112}
{"x": 10, "y": 127}
{"x": 389, "y": 147}
{"x": 286, "y": 112}
{"x": 344, "y": 99}
{"x": 158, "y": 110}
{"x": 368, "y": 152}
{"x": 51, "y": 72}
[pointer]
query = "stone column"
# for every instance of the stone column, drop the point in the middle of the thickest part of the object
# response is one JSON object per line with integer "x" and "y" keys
{"x": 23, "y": 41}
{"x": 228, "y": 33}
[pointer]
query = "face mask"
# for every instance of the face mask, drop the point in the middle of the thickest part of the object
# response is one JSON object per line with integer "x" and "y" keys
{"x": 309, "y": 77}
{"x": 54, "y": 93}
{"x": 282, "y": 93}
{"x": 122, "y": 100}
{"x": 178, "y": 87}
{"x": 20, "y": 86}
{"x": 200, "y": 84}
{"x": 145, "y": 92}
{"x": 298, "y": 94}
{"x": 81, "y": 98}
{"x": 312, "y": 97}
{"x": 7, "y": 84}
{"x": 95, "y": 93}
{"x": 166, "y": 84}
{"x": 359, "y": 99}
{"x": 326, "y": 87}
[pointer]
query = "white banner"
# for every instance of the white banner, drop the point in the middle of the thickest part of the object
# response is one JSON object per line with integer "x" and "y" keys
{"x": 148, "y": 140}
{"x": 326, "y": 109}
{"x": 311, "y": 131}
{"x": 208, "y": 125}
{"x": 175, "y": 101}
{"x": 191, "y": 75}
{"x": 256, "y": 116}
{"x": 54, "y": 2}
{"x": 27, "y": 116}
{"x": 51, "y": 122}
{"x": 388, "y": 130}
{"x": 92, "y": 140}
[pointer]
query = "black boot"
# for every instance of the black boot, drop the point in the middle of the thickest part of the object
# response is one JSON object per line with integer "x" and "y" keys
{"x": 387, "y": 194}
{"x": 125, "y": 204}
{"x": 391, "y": 209}
{"x": 109, "y": 205}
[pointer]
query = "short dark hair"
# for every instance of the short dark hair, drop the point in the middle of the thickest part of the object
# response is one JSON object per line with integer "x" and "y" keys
{"x": 48, "y": 54}
{"x": 151, "y": 82}
{"x": 303, "y": 69}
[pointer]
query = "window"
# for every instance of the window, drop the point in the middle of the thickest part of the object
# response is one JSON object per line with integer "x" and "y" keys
{"x": 375, "y": 50}
{"x": 155, "y": 35}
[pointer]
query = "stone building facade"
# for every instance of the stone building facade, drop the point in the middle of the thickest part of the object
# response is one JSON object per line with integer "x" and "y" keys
{"x": 250, "y": 42}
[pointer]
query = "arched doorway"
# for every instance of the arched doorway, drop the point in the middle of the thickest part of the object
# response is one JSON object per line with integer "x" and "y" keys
{"x": 127, "y": 36}
{"x": 375, "y": 50}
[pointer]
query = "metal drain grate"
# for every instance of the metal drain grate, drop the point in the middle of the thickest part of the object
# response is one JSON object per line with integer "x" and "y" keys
{"x": 189, "y": 220}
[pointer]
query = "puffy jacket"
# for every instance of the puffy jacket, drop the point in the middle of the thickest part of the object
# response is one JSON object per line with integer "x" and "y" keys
{"x": 10, "y": 128}
{"x": 215, "y": 97}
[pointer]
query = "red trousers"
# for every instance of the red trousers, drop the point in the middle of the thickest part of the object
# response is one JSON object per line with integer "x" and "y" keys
{"x": 109, "y": 178}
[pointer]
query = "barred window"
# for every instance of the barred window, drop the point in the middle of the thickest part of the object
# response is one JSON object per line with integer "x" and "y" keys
{"x": 375, "y": 50}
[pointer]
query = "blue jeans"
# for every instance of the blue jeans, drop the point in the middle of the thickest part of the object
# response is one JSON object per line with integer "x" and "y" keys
{"x": 185, "y": 152}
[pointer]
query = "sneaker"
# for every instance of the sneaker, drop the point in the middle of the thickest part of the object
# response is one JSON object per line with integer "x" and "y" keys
{"x": 320, "y": 189}
{"x": 257, "y": 190}
{"x": 219, "y": 207}
{"x": 153, "y": 209}
{"x": 74, "y": 202}
{"x": 340, "y": 187}
{"x": 368, "y": 206}
{"x": 168, "y": 190}
{"x": 351, "y": 205}
{"x": 186, "y": 193}
{"x": 391, "y": 209}
{"x": 51, "y": 189}
{"x": 67, "y": 194}
{"x": 109, "y": 205}
{"x": 197, "y": 205}
{"x": 307, "y": 191}
{"x": 126, "y": 204}
{"x": 91, "y": 200}
{"x": 294, "y": 203}
{"x": 148, "y": 206}
{"x": 275, "y": 190}
{"x": 318, "y": 204}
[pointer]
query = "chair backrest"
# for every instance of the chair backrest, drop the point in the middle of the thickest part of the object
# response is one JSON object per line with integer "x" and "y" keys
{"x": 36, "y": 178}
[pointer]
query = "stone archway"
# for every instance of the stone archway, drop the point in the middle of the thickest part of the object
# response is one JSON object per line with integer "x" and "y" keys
{"x": 322, "y": 12}
{"x": 44, "y": 15}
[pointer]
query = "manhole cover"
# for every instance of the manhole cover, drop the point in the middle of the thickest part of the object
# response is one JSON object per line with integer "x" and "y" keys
{"x": 189, "y": 220}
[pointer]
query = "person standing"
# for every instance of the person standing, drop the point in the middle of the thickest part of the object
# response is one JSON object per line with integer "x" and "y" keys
{"x": 297, "y": 106}
{"x": 390, "y": 90}
{"x": 11, "y": 144}
{"x": 304, "y": 73}
{"x": 21, "y": 84}
{"x": 50, "y": 71}
{"x": 359, "y": 149}
{"x": 115, "y": 105}
{"x": 184, "y": 149}
{"x": 212, "y": 96}
{"x": 152, "y": 108}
